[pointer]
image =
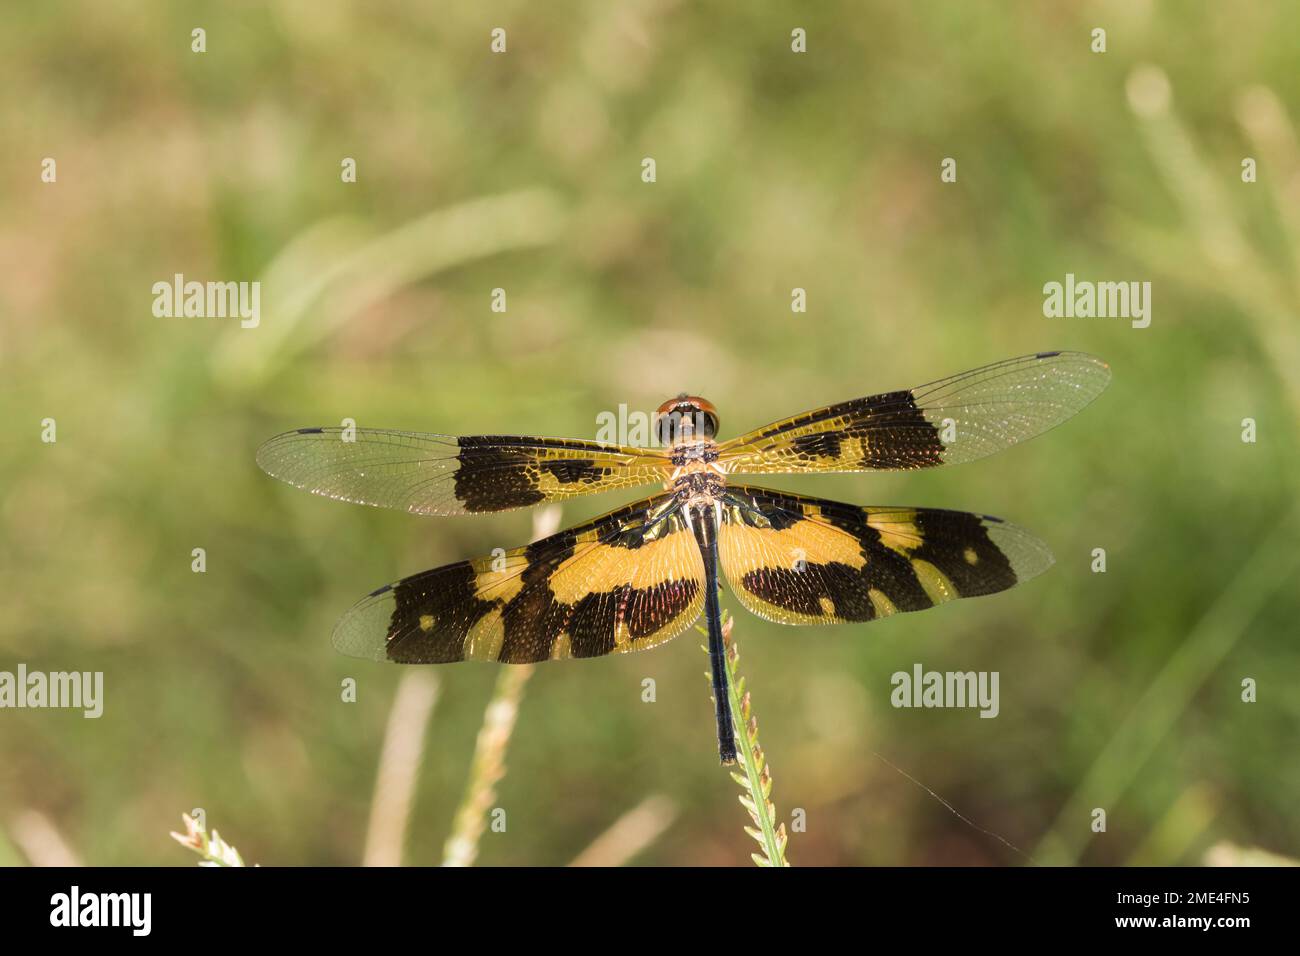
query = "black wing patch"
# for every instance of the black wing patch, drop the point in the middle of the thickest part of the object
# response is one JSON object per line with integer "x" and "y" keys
{"x": 798, "y": 560}
{"x": 627, "y": 581}
{"x": 446, "y": 475}
{"x": 957, "y": 419}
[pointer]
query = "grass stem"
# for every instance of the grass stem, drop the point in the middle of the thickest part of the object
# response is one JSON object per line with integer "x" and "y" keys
{"x": 757, "y": 778}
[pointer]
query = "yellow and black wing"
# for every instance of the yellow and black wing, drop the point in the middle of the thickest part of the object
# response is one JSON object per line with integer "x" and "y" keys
{"x": 449, "y": 475}
{"x": 626, "y": 581}
{"x": 797, "y": 560}
{"x": 956, "y": 419}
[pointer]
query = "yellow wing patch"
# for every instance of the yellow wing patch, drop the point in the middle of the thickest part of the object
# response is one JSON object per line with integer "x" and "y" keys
{"x": 449, "y": 475}
{"x": 798, "y": 560}
{"x": 624, "y": 582}
{"x": 960, "y": 418}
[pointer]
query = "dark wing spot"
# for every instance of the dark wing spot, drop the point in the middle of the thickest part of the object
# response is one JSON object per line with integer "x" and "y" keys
{"x": 897, "y": 434}
{"x": 803, "y": 591}
{"x": 818, "y": 445}
{"x": 449, "y": 595}
{"x": 893, "y": 576}
{"x": 886, "y": 570}
{"x": 532, "y": 621}
{"x": 591, "y": 626}
{"x": 549, "y": 553}
{"x": 945, "y": 536}
{"x": 654, "y": 607}
{"x": 492, "y": 479}
{"x": 574, "y": 470}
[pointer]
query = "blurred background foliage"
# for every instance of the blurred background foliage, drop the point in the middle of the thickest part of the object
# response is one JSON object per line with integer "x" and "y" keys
{"x": 522, "y": 171}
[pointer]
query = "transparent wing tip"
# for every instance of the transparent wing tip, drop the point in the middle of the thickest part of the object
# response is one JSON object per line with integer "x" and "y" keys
{"x": 1028, "y": 554}
{"x": 363, "y": 631}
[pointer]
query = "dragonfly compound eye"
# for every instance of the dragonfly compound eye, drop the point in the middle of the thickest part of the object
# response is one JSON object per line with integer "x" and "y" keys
{"x": 686, "y": 416}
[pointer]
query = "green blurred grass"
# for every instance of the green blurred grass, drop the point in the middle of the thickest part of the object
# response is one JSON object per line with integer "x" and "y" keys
{"x": 774, "y": 171}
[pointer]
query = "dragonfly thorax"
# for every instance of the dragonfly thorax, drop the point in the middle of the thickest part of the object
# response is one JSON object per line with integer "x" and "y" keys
{"x": 696, "y": 489}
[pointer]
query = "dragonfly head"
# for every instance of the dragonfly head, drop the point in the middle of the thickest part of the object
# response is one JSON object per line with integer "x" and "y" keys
{"x": 685, "y": 417}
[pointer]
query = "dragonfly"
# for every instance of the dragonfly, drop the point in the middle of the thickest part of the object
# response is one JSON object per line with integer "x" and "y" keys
{"x": 643, "y": 573}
